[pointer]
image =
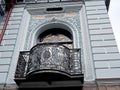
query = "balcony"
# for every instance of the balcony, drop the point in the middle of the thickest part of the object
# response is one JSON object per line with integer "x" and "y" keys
{"x": 49, "y": 62}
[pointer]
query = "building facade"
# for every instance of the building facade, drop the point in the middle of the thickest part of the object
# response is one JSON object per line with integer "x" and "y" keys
{"x": 58, "y": 44}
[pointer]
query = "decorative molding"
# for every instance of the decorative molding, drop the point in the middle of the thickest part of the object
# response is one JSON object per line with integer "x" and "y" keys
{"x": 37, "y": 21}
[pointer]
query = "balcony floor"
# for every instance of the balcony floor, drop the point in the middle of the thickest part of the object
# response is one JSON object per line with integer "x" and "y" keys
{"x": 52, "y": 85}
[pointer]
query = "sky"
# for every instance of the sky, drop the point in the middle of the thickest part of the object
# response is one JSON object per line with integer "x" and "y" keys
{"x": 114, "y": 15}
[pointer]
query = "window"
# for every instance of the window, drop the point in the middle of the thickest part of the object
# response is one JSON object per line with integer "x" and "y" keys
{"x": 54, "y": 9}
{"x": 19, "y": 0}
{"x": 2, "y": 7}
{"x": 56, "y": 35}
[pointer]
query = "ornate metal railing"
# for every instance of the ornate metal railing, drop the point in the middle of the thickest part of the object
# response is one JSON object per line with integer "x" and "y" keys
{"x": 22, "y": 64}
{"x": 49, "y": 58}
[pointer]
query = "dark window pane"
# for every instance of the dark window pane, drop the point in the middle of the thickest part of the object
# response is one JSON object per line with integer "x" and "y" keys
{"x": 19, "y": 0}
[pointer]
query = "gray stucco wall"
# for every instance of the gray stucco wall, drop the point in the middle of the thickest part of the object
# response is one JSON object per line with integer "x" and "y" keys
{"x": 105, "y": 53}
{"x": 8, "y": 44}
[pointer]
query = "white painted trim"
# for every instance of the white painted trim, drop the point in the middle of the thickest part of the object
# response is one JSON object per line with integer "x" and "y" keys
{"x": 89, "y": 73}
{"x": 24, "y": 29}
{"x": 11, "y": 73}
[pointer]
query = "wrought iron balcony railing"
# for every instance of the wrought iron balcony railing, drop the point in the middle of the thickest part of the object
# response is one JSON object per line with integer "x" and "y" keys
{"x": 49, "y": 58}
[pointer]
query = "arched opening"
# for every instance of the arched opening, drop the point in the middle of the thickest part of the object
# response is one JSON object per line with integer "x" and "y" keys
{"x": 53, "y": 56}
{"x": 56, "y": 35}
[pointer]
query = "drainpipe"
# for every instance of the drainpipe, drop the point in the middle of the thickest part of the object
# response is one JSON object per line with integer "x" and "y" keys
{"x": 6, "y": 20}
